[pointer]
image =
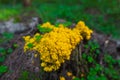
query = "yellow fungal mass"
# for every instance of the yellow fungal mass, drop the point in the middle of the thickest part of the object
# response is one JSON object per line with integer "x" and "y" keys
{"x": 47, "y": 25}
{"x": 69, "y": 74}
{"x": 62, "y": 78}
{"x": 55, "y": 47}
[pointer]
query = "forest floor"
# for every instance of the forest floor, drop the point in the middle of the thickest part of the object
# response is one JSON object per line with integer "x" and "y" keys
{"x": 99, "y": 57}
{"x": 20, "y": 65}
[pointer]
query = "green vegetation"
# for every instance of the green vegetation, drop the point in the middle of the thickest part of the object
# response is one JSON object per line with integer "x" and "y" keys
{"x": 101, "y": 15}
{"x": 26, "y": 75}
{"x": 6, "y": 37}
{"x": 44, "y": 30}
{"x": 3, "y": 69}
{"x": 4, "y": 52}
{"x": 102, "y": 69}
{"x": 8, "y": 11}
{"x": 66, "y": 24}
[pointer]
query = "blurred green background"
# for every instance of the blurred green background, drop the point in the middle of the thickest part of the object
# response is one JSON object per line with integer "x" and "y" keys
{"x": 100, "y": 15}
